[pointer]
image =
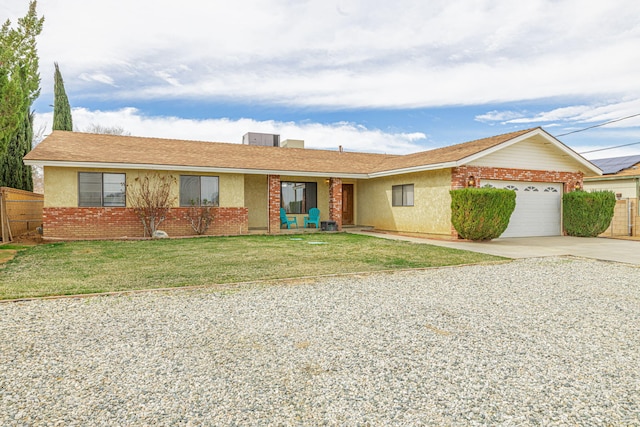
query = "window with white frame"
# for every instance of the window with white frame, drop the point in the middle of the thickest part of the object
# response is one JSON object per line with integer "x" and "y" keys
{"x": 402, "y": 195}
{"x": 197, "y": 190}
{"x": 101, "y": 189}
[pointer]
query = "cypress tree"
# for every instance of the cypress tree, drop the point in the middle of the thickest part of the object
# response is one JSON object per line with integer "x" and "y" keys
{"x": 61, "y": 108}
{"x": 19, "y": 88}
{"x": 13, "y": 172}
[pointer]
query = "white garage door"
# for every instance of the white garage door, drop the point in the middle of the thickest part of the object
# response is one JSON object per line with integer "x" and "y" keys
{"x": 538, "y": 209}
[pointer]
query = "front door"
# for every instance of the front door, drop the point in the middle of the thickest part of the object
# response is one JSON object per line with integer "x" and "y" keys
{"x": 347, "y": 204}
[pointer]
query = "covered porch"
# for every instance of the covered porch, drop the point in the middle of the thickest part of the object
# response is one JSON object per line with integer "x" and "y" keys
{"x": 266, "y": 194}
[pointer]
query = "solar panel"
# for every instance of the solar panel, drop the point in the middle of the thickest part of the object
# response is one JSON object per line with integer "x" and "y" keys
{"x": 616, "y": 164}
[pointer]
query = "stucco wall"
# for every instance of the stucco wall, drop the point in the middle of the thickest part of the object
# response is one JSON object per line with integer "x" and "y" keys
{"x": 61, "y": 185}
{"x": 431, "y": 210}
{"x": 256, "y": 197}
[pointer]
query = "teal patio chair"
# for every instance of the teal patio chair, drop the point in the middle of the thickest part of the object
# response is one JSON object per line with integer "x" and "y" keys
{"x": 284, "y": 220}
{"x": 313, "y": 218}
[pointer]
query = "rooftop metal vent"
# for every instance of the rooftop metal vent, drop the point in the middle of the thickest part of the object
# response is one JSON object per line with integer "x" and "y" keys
{"x": 263, "y": 139}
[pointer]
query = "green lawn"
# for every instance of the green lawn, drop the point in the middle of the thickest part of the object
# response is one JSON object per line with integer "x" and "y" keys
{"x": 103, "y": 266}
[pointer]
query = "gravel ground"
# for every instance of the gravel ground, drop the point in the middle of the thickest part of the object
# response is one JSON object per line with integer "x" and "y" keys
{"x": 547, "y": 341}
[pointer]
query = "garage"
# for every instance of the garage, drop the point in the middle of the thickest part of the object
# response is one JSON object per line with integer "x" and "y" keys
{"x": 538, "y": 209}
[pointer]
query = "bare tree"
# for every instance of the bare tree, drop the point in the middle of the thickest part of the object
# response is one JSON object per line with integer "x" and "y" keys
{"x": 107, "y": 130}
{"x": 151, "y": 199}
{"x": 37, "y": 172}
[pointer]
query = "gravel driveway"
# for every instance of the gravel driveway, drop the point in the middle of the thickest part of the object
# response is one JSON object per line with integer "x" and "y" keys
{"x": 545, "y": 341}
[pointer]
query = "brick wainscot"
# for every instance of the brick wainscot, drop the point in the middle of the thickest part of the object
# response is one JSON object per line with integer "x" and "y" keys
{"x": 117, "y": 223}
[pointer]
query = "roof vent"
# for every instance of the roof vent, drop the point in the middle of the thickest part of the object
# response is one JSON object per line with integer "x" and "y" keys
{"x": 263, "y": 139}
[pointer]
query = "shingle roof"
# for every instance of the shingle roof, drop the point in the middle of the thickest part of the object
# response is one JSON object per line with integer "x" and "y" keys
{"x": 615, "y": 165}
{"x": 96, "y": 148}
{"x": 74, "y": 147}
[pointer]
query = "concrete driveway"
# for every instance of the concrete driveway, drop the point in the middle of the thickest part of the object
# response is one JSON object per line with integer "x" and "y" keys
{"x": 626, "y": 251}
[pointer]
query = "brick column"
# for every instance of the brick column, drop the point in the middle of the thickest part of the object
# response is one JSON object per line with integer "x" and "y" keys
{"x": 335, "y": 201}
{"x": 274, "y": 204}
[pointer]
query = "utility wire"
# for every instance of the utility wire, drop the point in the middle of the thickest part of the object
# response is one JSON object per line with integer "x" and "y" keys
{"x": 610, "y": 148}
{"x": 601, "y": 124}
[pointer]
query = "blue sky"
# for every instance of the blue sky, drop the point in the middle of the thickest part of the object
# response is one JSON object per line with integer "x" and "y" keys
{"x": 369, "y": 75}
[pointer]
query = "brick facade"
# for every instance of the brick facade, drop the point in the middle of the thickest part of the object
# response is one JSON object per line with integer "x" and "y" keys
{"x": 460, "y": 174}
{"x": 116, "y": 223}
{"x": 335, "y": 201}
{"x": 274, "y": 204}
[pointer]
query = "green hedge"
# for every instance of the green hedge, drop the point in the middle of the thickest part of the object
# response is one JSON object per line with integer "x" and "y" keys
{"x": 481, "y": 213}
{"x": 587, "y": 214}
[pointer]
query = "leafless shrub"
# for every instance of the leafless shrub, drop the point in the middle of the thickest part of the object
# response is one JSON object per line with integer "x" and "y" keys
{"x": 200, "y": 217}
{"x": 151, "y": 199}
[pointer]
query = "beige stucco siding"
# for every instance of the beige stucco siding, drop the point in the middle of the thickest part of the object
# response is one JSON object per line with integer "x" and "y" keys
{"x": 231, "y": 189}
{"x": 431, "y": 210}
{"x": 256, "y": 199}
{"x": 535, "y": 153}
{"x": 61, "y": 185}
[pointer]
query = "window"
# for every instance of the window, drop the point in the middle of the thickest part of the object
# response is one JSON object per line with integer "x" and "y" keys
{"x": 101, "y": 189}
{"x": 402, "y": 195}
{"x": 199, "y": 190}
{"x": 298, "y": 197}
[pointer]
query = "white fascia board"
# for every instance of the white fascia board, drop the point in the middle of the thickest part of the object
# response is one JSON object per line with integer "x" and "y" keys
{"x": 611, "y": 178}
{"x": 414, "y": 169}
{"x": 568, "y": 151}
{"x": 142, "y": 166}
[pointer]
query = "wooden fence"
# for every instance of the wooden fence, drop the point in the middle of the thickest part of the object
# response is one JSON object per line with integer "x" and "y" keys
{"x": 20, "y": 212}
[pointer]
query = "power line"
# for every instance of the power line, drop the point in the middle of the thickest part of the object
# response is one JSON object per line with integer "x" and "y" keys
{"x": 601, "y": 124}
{"x": 610, "y": 148}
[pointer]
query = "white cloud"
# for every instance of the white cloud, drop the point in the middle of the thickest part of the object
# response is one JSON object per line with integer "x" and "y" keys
{"x": 348, "y": 53}
{"x": 573, "y": 117}
{"x": 101, "y": 78}
{"x": 351, "y": 136}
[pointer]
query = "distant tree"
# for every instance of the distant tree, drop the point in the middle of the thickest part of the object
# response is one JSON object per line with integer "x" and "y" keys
{"x": 19, "y": 87}
{"x": 37, "y": 172}
{"x": 61, "y": 109}
{"x": 107, "y": 130}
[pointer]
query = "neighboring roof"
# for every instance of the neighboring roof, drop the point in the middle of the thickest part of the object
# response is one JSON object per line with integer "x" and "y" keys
{"x": 74, "y": 149}
{"x": 615, "y": 165}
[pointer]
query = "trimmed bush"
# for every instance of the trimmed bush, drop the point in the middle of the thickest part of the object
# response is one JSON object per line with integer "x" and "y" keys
{"x": 587, "y": 214}
{"x": 481, "y": 213}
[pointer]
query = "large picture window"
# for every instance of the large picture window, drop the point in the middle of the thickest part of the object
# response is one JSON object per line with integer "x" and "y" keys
{"x": 199, "y": 190}
{"x": 402, "y": 195}
{"x": 101, "y": 189}
{"x": 298, "y": 197}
